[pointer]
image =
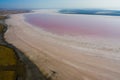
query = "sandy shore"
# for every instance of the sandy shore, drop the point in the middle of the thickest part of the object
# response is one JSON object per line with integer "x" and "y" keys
{"x": 66, "y": 57}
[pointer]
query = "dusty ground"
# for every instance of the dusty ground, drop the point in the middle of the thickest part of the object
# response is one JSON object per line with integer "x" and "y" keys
{"x": 66, "y": 57}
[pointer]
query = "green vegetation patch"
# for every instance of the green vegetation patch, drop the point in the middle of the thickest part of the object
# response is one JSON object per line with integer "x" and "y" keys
{"x": 7, "y": 75}
{"x": 8, "y": 61}
{"x": 10, "y": 66}
{"x": 7, "y": 56}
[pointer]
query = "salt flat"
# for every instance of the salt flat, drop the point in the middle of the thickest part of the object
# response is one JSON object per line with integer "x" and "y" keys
{"x": 70, "y": 57}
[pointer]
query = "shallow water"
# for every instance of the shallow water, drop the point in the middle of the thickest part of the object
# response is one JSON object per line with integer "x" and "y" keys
{"x": 92, "y": 25}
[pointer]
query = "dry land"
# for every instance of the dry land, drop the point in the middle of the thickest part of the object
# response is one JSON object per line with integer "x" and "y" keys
{"x": 8, "y": 60}
{"x": 14, "y": 11}
{"x": 13, "y": 63}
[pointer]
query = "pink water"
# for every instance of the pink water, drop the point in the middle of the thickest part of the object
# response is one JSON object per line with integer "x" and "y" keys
{"x": 92, "y": 25}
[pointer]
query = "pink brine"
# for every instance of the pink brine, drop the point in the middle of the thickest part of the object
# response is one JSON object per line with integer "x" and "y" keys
{"x": 92, "y": 25}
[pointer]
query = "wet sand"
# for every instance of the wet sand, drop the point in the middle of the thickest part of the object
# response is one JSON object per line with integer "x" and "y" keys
{"x": 66, "y": 57}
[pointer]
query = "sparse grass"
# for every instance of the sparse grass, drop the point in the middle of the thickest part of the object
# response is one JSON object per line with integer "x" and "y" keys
{"x": 10, "y": 66}
{"x": 7, "y": 56}
{"x": 2, "y": 17}
{"x": 7, "y": 75}
{"x": 1, "y": 25}
{"x": 1, "y": 28}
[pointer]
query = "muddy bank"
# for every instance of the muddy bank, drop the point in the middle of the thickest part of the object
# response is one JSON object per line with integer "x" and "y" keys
{"x": 24, "y": 68}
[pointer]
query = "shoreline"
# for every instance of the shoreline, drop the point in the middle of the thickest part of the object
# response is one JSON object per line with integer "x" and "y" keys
{"x": 65, "y": 57}
{"x": 23, "y": 63}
